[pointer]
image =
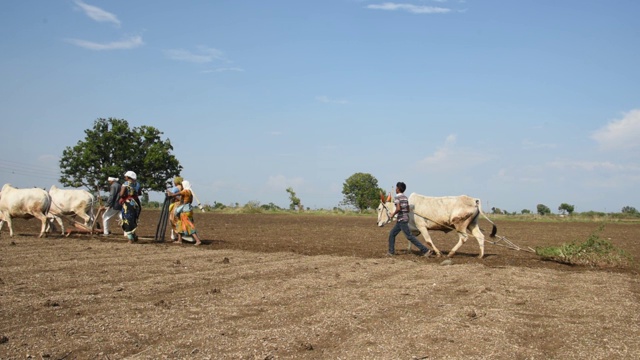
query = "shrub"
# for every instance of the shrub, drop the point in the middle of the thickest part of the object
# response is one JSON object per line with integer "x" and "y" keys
{"x": 252, "y": 207}
{"x": 595, "y": 252}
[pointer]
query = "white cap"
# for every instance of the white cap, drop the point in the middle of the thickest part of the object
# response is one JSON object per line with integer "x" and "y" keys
{"x": 130, "y": 174}
{"x": 111, "y": 178}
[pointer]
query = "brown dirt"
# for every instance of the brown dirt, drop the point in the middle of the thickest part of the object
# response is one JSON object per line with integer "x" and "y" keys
{"x": 312, "y": 287}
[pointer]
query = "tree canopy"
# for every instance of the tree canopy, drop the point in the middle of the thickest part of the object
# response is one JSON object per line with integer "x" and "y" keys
{"x": 361, "y": 191}
{"x": 110, "y": 148}
{"x": 543, "y": 209}
{"x": 566, "y": 208}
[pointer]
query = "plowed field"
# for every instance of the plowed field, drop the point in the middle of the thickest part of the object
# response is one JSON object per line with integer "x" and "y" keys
{"x": 312, "y": 287}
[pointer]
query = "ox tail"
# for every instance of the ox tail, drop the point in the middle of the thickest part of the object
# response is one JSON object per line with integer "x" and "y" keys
{"x": 47, "y": 206}
{"x": 480, "y": 212}
{"x": 92, "y": 217}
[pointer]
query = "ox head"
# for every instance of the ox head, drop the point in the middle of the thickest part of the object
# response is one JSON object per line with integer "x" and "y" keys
{"x": 385, "y": 209}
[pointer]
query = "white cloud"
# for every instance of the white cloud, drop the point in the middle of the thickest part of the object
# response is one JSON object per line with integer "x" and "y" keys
{"x": 451, "y": 156}
{"x": 97, "y": 14}
{"x": 130, "y": 43}
{"x": 415, "y": 9}
{"x": 586, "y": 165}
{"x": 327, "y": 100}
{"x": 620, "y": 134}
{"x": 203, "y": 55}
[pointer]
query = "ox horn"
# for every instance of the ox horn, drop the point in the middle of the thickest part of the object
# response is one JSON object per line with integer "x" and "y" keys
{"x": 389, "y": 198}
{"x": 381, "y": 196}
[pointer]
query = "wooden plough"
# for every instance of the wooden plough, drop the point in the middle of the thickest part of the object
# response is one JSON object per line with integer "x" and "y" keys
{"x": 78, "y": 227}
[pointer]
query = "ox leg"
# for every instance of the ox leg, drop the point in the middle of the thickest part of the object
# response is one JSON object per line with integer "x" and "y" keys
{"x": 51, "y": 225}
{"x": 477, "y": 233}
{"x": 462, "y": 238}
{"x": 10, "y": 225}
{"x": 43, "y": 228}
{"x": 427, "y": 239}
{"x": 61, "y": 223}
{"x": 1, "y": 224}
{"x": 87, "y": 219}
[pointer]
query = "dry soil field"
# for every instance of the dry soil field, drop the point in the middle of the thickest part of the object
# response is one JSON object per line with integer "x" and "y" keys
{"x": 311, "y": 287}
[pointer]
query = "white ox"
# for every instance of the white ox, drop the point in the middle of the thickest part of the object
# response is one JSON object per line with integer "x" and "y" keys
{"x": 23, "y": 203}
{"x": 65, "y": 202}
{"x": 449, "y": 213}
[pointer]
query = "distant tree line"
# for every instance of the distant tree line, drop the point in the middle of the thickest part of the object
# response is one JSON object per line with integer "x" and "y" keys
{"x": 563, "y": 209}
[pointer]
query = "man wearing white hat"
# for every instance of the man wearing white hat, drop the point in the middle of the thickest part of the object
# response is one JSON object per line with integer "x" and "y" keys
{"x": 129, "y": 192}
{"x": 113, "y": 206}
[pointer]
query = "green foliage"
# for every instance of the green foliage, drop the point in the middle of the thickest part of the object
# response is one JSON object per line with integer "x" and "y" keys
{"x": 629, "y": 210}
{"x": 361, "y": 191}
{"x": 543, "y": 209}
{"x": 525, "y": 211}
{"x": 153, "y": 205}
{"x": 594, "y": 214}
{"x": 270, "y": 207}
{"x": 218, "y": 206}
{"x": 566, "y": 208}
{"x": 498, "y": 211}
{"x": 110, "y": 148}
{"x": 252, "y": 207}
{"x": 594, "y": 252}
{"x": 294, "y": 200}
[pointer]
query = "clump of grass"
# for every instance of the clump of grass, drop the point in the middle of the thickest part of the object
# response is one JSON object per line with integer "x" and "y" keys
{"x": 594, "y": 252}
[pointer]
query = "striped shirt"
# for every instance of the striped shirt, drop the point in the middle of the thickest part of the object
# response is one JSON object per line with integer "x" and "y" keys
{"x": 403, "y": 201}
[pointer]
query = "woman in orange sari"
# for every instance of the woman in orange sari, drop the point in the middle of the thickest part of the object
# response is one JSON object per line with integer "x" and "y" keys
{"x": 183, "y": 212}
{"x": 173, "y": 219}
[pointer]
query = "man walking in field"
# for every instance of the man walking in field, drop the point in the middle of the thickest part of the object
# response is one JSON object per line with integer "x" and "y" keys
{"x": 402, "y": 224}
{"x": 113, "y": 206}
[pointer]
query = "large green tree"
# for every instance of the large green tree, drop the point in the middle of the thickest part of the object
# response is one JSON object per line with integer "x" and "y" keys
{"x": 361, "y": 191}
{"x": 110, "y": 148}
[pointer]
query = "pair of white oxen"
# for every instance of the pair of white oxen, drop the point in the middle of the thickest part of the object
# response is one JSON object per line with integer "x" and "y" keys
{"x": 448, "y": 213}
{"x": 45, "y": 206}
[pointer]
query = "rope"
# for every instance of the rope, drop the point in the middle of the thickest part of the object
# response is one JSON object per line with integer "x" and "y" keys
{"x": 510, "y": 245}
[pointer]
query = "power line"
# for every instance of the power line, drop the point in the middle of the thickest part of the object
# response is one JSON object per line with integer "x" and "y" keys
{"x": 9, "y": 167}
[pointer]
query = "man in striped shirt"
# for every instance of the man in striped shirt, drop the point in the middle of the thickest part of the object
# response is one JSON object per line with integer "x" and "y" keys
{"x": 402, "y": 224}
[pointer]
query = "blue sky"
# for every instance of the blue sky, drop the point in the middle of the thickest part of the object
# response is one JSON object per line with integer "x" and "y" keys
{"x": 514, "y": 102}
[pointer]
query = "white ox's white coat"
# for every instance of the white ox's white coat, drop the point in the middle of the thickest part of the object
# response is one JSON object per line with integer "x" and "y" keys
{"x": 71, "y": 202}
{"x": 446, "y": 214}
{"x": 23, "y": 203}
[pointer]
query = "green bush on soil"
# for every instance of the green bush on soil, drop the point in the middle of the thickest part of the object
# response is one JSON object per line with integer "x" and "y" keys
{"x": 595, "y": 252}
